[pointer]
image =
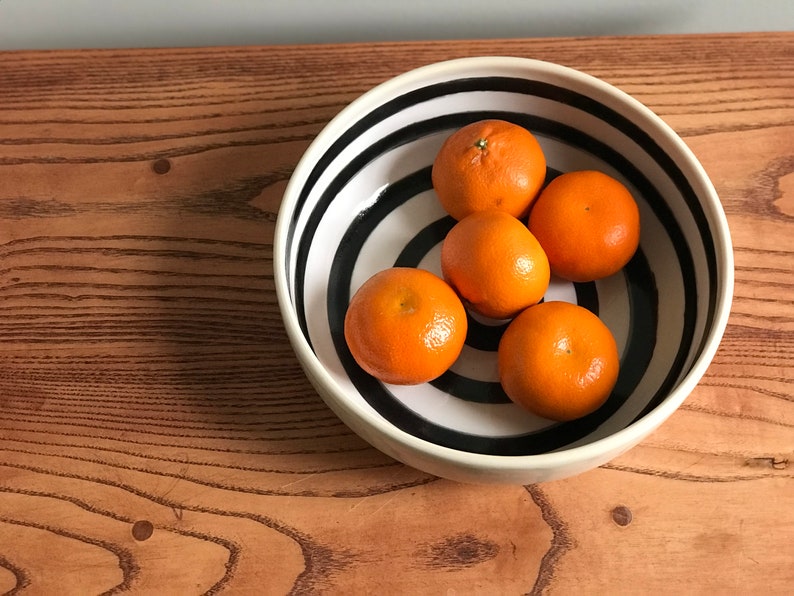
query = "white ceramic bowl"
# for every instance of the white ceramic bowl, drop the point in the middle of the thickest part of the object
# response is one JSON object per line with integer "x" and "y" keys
{"x": 361, "y": 200}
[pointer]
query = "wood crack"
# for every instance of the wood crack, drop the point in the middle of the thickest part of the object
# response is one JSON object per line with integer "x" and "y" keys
{"x": 561, "y": 541}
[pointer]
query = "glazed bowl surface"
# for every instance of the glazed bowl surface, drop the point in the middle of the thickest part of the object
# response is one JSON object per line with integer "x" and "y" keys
{"x": 361, "y": 200}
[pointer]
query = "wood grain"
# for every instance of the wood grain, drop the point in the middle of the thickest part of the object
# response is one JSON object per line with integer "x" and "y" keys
{"x": 158, "y": 436}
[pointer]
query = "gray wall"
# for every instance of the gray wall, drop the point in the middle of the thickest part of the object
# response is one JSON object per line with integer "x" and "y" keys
{"x": 41, "y": 24}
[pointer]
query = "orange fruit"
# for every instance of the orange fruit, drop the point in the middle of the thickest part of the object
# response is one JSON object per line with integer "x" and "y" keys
{"x": 588, "y": 223}
{"x": 490, "y": 164}
{"x": 495, "y": 263}
{"x": 405, "y": 326}
{"x": 558, "y": 360}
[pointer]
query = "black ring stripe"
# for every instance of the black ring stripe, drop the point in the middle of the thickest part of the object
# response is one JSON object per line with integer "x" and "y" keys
{"x": 473, "y": 390}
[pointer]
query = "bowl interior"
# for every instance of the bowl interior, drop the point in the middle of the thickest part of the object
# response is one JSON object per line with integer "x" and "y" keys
{"x": 362, "y": 200}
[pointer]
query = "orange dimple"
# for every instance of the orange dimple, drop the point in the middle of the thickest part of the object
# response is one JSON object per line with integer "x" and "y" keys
{"x": 495, "y": 263}
{"x": 490, "y": 164}
{"x": 588, "y": 223}
{"x": 405, "y": 326}
{"x": 558, "y": 360}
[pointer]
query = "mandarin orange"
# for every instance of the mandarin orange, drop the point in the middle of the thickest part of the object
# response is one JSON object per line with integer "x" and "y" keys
{"x": 489, "y": 164}
{"x": 558, "y": 360}
{"x": 405, "y": 326}
{"x": 588, "y": 223}
{"x": 495, "y": 263}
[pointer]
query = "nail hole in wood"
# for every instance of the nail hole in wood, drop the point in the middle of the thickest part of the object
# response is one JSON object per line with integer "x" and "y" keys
{"x": 142, "y": 530}
{"x": 161, "y": 166}
{"x": 621, "y": 515}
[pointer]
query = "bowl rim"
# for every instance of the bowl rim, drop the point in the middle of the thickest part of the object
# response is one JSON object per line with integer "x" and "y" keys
{"x": 603, "y": 448}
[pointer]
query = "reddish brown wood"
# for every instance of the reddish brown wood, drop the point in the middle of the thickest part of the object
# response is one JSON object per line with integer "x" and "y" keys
{"x": 157, "y": 434}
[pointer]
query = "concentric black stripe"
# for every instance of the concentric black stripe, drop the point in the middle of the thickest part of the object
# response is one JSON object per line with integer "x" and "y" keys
{"x": 473, "y": 390}
{"x": 431, "y": 235}
{"x": 541, "y": 126}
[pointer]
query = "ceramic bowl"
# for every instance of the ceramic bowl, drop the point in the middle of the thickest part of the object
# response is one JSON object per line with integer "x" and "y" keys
{"x": 361, "y": 200}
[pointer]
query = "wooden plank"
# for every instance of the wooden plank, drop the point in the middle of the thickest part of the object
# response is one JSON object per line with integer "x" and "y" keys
{"x": 158, "y": 435}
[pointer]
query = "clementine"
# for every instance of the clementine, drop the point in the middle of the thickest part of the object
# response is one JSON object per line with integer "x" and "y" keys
{"x": 405, "y": 326}
{"x": 489, "y": 164}
{"x": 588, "y": 223}
{"x": 495, "y": 263}
{"x": 558, "y": 360}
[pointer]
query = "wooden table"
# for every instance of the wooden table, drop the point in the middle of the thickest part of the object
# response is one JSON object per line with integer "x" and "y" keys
{"x": 158, "y": 436}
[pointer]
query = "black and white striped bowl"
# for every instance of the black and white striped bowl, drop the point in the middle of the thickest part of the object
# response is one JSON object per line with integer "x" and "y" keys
{"x": 361, "y": 200}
